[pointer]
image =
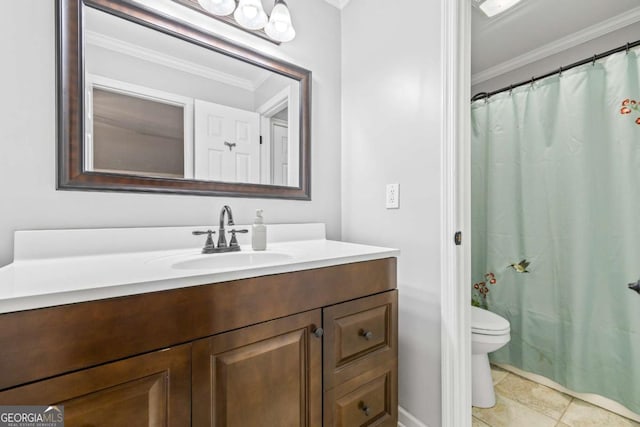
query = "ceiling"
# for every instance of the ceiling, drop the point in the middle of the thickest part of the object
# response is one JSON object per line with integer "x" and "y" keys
{"x": 535, "y": 23}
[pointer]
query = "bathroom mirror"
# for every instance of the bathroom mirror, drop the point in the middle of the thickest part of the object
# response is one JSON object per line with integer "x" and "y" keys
{"x": 149, "y": 103}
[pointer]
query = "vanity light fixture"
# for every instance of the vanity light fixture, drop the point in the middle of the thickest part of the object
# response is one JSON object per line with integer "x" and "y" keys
{"x": 280, "y": 27}
{"x": 250, "y": 15}
{"x": 218, "y": 7}
{"x": 492, "y": 8}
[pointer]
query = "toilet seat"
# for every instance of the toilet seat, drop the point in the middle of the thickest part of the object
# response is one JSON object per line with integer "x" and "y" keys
{"x": 484, "y": 322}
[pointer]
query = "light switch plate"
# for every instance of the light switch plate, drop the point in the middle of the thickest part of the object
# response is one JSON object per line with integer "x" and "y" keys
{"x": 393, "y": 196}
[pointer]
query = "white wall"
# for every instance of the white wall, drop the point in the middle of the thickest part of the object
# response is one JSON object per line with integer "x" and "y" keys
{"x": 28, "y": 198}
{"x": 391, "y": 134}
{"x": 273, "y": 85}
{"x": 129, "y": 69}
{"x": 602, "y": 44}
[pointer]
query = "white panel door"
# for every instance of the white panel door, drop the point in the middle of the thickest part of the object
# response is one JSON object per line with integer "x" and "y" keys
{"x": 280, "y": 154}
{"x": 227, "y": 143}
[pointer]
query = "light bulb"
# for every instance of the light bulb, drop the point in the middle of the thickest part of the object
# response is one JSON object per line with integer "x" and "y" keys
{"x": 218, "y": 7}
{"x": 280, "y": 27}
{"x": 250, "y": 14}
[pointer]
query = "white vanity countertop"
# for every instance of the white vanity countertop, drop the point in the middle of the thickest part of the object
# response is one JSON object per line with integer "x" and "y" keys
{"x": 68, "y": 266}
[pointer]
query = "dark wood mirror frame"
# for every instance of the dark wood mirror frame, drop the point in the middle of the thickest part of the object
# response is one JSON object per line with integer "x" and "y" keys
{"x": 70, "y": 79}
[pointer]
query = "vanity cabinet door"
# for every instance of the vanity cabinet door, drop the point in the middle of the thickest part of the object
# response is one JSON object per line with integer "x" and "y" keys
{"x": 152, "y": 390}
{"x": 268, "y": 374}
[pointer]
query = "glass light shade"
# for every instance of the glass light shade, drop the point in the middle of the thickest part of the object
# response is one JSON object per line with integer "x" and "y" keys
{"x": 280, "y": 27}
{"x": 494, "y": 7}
{"x": 250, "y": 14}
{"x": 218, "y": 7}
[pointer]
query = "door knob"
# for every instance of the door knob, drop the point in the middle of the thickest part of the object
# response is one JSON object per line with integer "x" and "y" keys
{"x": 367, "y": 335}
{"x": 364, "y": 408}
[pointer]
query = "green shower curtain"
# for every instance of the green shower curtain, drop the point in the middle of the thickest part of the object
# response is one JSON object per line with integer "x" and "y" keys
{"x": 556, "y": 182}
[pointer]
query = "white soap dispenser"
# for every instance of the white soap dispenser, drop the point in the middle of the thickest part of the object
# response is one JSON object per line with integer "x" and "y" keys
{"x": 259, "y": 233}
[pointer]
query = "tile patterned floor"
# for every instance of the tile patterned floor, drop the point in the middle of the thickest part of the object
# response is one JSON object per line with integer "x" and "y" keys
{"x": 524, "y": 403}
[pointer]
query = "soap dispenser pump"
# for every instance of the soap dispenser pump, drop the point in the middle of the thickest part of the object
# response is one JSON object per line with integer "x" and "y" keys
{"x": 259, "y": 233}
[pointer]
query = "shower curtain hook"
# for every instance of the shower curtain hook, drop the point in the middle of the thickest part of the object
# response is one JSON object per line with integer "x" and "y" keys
{"x": 533, "y": 80}
{"x": 486, "y": 98}
{"x": 628, "y": 47}
{"x": 510, "y": 90}
{"x": 560, "y": 73}
{"x": 595, "y": 57}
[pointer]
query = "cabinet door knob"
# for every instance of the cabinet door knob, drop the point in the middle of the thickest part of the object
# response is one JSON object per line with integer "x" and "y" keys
{"x": 367, "y": 335}
{"x": 318, "y": 332}
{"x": 364, "y": 408}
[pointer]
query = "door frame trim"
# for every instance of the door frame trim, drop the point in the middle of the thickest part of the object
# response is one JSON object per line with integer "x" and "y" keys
{"x": 455, "y": 213}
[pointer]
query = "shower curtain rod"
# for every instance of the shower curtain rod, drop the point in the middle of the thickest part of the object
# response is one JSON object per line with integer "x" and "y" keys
{"x": 593, "y": 59}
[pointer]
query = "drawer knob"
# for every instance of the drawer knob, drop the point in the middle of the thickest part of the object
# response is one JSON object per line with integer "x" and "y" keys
{"x": 367, "y": 335}
{"x": 364, "y": 408}
{"x": 318, "y": 332}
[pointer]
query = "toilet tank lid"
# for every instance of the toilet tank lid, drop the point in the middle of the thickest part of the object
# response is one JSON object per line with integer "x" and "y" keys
{"x": 484, "y": 320}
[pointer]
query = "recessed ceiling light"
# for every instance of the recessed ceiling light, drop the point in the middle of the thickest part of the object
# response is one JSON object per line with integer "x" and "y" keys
{"x": 494, "y": 7}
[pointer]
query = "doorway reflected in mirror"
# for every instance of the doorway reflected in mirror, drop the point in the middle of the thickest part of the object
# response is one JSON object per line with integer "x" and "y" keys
{"x": 158, "y": 106}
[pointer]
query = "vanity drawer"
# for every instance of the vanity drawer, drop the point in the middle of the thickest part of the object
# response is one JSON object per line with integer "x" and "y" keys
{"x": 359, "y": 335}
{"x": 367, "y": 400}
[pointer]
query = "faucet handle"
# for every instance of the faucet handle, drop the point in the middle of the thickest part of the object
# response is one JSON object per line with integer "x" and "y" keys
{"x": 200, "y": 233}
{"x": 234, "y": 241}
{"x": 209, "y": 246}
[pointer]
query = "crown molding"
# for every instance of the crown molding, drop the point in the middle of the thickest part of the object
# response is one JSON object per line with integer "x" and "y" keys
{"x": 340, "y": 4}
{"x": 605, "y": 27}
{"x": 130, "y": 49}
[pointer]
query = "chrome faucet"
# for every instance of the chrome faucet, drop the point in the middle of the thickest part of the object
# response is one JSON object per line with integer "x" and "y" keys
{"x": 222, "y": 240}
{"x": 233, "y": 245}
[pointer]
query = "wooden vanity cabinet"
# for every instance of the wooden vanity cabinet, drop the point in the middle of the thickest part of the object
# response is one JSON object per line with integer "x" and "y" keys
{"x": 150, "y": 390}
{"x": 361, "y": 362}
{"x": 310, "y": 348}
{"x": 269, "y": 374}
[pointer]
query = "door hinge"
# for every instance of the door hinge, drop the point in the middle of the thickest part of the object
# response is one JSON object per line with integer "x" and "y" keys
{"x": 260, "y": 139}
{"x": 457, "y": 238}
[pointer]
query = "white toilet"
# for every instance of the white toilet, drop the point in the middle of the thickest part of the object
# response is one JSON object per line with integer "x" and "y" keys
{"x": 489, "y": 332}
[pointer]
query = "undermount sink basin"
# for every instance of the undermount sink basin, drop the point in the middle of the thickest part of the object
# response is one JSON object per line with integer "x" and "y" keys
{"x": 230, "y": 260}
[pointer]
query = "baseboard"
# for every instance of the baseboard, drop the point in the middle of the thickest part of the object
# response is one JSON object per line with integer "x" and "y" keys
{"x": 594, "y": 399}
{"x": 405, "y": 419}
